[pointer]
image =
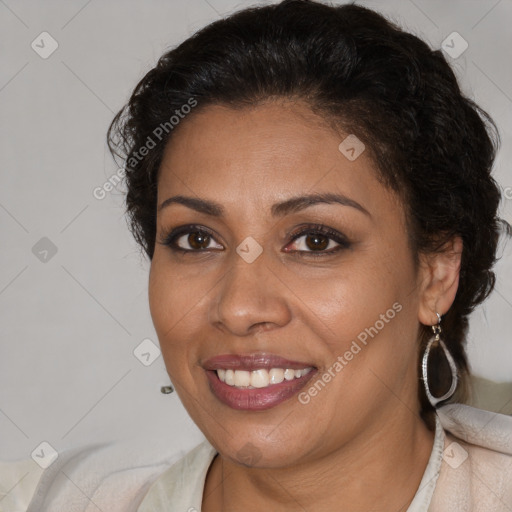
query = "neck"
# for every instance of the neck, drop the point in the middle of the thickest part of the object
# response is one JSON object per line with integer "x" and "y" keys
{"x": 380, "y": 469}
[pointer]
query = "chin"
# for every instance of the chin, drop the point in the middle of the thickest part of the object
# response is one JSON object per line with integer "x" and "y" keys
{"x": 259, "y": 452}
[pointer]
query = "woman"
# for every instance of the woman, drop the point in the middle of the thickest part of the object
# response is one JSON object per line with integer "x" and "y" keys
{"x": 314, "y": 194}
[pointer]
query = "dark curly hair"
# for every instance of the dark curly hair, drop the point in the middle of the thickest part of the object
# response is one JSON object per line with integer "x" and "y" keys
{"x": 366, "y": 76}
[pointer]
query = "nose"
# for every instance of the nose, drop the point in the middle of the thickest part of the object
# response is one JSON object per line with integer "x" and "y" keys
{"x": 250, "y": 297}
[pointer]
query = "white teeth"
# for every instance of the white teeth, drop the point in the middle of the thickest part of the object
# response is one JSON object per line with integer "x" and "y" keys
{"x": 289, "y": 374}
{"x": 242, "y": 378}
{"x": 230, "y": 377}
{"x": 259, "y": 378}
{"x": 276, "y": 375}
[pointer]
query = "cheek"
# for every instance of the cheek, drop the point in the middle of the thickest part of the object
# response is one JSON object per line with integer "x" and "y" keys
{"x": 174, "y": 303}
{"x": 345, "y": 301}
{"x": 365, "y": 314}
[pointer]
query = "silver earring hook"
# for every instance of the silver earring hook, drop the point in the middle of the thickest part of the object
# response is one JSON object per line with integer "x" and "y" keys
{"x": 436, "y": 329}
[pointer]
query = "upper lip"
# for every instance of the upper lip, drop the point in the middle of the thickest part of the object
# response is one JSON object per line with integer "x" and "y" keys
{"x": 251, "y": 362}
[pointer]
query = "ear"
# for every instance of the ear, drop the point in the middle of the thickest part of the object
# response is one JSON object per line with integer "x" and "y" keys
{"x": 439, "y": 280}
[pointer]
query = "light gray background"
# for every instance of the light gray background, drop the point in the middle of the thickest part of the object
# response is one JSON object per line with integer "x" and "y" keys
{"x": 69, "y": 325}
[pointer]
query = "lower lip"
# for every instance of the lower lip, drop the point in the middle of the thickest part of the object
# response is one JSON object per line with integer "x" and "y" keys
{"x": 257, "y": 399}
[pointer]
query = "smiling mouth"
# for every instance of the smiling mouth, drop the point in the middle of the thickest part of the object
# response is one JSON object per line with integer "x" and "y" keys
{"x": 260, "y": 378}
{"x": 255, "y": 382}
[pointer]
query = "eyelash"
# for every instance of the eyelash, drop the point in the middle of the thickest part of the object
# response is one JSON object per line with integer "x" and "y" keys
{"x": 319, "y": 229}
{"x": 170, "y": 239}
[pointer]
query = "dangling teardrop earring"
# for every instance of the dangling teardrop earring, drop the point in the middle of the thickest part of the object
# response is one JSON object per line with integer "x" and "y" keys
{"x": 436, "y": 339}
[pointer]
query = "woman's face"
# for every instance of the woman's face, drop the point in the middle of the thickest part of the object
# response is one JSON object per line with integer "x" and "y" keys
{"x": 293, "y": 256}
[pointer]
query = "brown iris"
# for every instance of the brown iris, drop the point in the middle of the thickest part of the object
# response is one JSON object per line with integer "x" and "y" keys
{"x": 317, "y": 242}
{"x": 199, "y": 240}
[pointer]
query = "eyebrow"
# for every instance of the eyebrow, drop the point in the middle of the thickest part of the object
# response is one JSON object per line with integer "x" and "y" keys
{"x": 281, "y": 209}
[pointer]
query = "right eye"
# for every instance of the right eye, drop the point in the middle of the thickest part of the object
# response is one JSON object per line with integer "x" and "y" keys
{"x": 191, "y": 239}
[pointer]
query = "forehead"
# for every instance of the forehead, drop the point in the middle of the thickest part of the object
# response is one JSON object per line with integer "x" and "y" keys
{"x": 259, "y": 155}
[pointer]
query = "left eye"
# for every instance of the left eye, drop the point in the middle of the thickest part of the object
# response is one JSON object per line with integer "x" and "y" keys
{"x": 317, "y": 241}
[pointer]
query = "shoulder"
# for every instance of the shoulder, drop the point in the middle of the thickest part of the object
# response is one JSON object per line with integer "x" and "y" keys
{"x": 181, "y": 486}
{"x": 112, "y": 476}
{"x": 476, "y": 470}
{"x": 18, "y": 480}
{"x": 477, "y": 426}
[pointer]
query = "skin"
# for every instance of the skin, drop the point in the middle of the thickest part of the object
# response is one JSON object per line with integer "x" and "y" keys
{"x": 360, "y": 442}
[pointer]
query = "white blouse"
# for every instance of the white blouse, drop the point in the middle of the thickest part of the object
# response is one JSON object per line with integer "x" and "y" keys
{"x": 470, "y": 470}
